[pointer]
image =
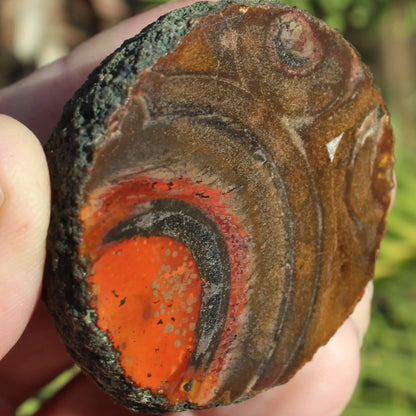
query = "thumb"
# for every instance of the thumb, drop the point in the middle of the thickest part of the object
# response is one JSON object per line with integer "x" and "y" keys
{"x": 24, "y": 217}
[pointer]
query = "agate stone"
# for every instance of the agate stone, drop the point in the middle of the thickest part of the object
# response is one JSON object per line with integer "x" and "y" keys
{"x": 220, "y": 187}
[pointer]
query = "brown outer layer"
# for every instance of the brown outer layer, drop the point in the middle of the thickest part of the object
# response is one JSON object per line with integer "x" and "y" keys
{"x": 335, "y": 209}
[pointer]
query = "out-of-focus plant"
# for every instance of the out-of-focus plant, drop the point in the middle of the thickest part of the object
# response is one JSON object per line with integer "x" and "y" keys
{"x": 341, "y": 14}
{"x": 137, "y": 6}
{"x": 356, "y": 14}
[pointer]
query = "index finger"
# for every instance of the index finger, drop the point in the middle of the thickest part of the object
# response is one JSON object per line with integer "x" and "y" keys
{"x": 37, "y": 100}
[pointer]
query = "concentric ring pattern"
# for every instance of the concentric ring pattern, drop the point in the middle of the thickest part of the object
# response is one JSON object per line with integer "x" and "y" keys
{"x": 220, "y": 191}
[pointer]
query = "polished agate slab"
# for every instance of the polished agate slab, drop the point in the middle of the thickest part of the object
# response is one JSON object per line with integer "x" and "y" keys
{"x": 220, "y": 189}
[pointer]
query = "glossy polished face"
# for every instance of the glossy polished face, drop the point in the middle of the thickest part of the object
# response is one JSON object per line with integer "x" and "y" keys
{"x": 232, "y": 210}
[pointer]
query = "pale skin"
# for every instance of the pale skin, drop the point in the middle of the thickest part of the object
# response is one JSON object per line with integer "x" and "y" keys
{"x": 31, "y": 351}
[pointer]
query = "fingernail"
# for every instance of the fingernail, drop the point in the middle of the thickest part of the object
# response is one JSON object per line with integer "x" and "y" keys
{"x": 361, "y": 315}
{"x": 357, "y": 328}
{"x": 1, "y": 197}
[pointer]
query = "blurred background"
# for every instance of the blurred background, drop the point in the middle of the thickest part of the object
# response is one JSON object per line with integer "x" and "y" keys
{"x": 36, "y": 32}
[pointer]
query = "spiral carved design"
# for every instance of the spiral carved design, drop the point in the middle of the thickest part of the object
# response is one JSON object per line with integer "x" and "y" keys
{"x": 220, "y": 190}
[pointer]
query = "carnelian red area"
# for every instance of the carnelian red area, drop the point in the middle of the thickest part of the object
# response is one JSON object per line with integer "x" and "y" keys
{"x": 147, "y": 293}
{"x": 136, "y": 263}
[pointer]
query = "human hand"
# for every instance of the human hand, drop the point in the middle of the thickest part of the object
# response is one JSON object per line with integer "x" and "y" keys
{"x": 322, "y": 387}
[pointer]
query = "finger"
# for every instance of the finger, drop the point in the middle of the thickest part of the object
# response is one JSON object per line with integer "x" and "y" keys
{"x": 37, "y": 358}
{"x": 37, "y": 100}
{"x": 361, "y": 315}
{"x": 322, "y": 387}
{"x": 24, "y": 216}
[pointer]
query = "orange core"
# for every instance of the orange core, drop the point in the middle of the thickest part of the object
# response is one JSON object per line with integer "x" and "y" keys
{"x": 147, "y": 293}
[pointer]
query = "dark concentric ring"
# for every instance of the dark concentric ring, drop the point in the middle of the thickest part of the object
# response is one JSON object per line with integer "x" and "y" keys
{"x": 190, "y": 225}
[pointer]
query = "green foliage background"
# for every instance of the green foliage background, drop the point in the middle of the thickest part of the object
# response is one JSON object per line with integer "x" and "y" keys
{"x": 340, "y": 14}
{"x": 358, "y": 14}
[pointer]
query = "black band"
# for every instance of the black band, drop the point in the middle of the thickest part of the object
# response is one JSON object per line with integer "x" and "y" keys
{"x": 190, "y": 225}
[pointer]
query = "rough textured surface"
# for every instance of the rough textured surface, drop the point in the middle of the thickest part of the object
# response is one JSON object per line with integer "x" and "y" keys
{"x": 249, "y": 133}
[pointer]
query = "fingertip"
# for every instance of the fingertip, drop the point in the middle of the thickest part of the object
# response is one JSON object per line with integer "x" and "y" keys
{"x": 325, "y": 385}
{"x": 24, "y": 218}
{"x": 1, "y": 196}
{"x": 38, "y": 99}
{"x": 362, "y": 312}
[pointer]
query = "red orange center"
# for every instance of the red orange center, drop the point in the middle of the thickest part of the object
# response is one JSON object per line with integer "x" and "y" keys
{"x": 147, "y": 293}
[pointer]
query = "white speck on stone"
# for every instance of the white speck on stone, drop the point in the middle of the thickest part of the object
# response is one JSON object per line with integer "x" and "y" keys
{"x": 168, "y": 328}
{"x": 332, "y": 146}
